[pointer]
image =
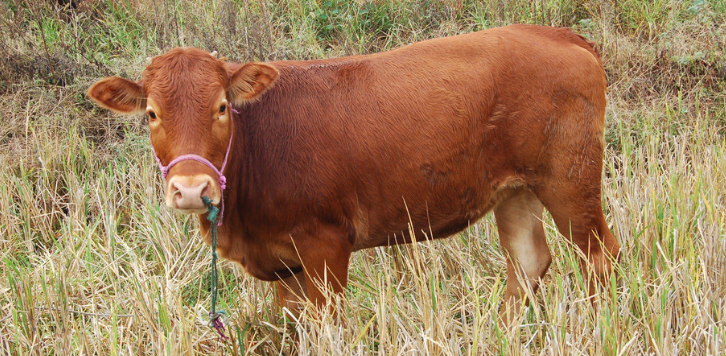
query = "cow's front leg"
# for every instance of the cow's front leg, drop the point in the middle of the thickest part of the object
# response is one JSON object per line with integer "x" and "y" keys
{"x": 291, "y": 292}
{"x": 325, "y": 256}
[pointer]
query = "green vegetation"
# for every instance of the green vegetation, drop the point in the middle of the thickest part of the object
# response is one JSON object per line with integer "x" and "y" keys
{"x": 91, "y": 262}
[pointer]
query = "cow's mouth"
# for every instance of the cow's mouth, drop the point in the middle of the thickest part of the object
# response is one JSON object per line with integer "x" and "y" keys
{"x": 192, "y": 211}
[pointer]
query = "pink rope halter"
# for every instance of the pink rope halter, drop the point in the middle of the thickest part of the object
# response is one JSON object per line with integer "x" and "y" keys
{"x": 222, "y": 179}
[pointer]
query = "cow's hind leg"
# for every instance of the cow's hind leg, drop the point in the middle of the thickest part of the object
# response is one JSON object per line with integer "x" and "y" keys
{"x": 569, "y": 177}
{"x": 576, "y": 207}
{"x": 519, "y": 221}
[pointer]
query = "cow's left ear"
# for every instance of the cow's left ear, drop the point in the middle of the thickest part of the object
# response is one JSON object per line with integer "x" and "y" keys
{"x": 251, "y": 81}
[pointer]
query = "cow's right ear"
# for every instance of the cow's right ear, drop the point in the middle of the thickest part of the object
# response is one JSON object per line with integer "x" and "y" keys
{"x": 118, "y": 94}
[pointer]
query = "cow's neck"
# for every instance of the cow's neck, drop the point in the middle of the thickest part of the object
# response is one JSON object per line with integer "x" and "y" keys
{"x": 246, "y": 185}
{"x": 267, "y": 161}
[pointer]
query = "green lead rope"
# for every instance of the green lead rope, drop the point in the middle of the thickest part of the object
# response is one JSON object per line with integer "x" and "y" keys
{"x": 215, "y": 317}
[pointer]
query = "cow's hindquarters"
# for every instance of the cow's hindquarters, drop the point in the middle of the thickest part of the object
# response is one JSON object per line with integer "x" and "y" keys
{"x": 570, "y": 187}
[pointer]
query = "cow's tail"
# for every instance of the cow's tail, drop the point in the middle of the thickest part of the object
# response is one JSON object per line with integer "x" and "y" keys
{"x": 583, "y": 42}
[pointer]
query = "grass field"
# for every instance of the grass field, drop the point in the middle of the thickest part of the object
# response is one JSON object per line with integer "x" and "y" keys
{"x": 93, "y": 263}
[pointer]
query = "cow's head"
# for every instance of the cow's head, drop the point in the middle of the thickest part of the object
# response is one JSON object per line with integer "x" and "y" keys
{"x": 187, "y": 96}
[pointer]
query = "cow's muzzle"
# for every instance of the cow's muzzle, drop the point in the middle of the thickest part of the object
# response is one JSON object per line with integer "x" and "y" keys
{"x": 185, "y": 193}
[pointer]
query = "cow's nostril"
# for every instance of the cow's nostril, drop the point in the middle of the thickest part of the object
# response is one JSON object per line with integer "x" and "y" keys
{"x": 175, "y": 191}
{"x": 206, "y": 191}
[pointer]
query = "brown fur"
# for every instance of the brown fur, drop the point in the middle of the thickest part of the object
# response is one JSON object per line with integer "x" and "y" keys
{"x": 334, "y": 156}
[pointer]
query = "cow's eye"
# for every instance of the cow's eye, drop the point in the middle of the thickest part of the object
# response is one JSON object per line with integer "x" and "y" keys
{"x": 222, "y": 109}
{"x": 152, "y": 114}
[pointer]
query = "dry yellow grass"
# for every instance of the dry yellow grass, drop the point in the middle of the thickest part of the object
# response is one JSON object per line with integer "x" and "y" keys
{"x": 91, "y": 262}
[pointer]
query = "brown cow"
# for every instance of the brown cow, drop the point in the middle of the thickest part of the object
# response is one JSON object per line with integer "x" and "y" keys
{"x": 332, "y": 156}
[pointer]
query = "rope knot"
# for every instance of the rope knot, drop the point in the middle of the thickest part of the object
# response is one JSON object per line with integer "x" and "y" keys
{"x": 216, "y": 320}
{"x": 212, "y": 212}
{"x": 222, "y": 182}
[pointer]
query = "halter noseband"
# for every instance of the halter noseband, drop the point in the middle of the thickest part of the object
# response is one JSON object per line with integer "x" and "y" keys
{"x": 222, "y": 179}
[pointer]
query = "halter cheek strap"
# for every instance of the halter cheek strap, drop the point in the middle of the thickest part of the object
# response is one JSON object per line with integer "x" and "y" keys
{"x": 222, "y": 179}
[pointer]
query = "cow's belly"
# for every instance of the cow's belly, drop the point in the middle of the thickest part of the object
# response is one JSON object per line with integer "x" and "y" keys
{"x": 431, "y": 211}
